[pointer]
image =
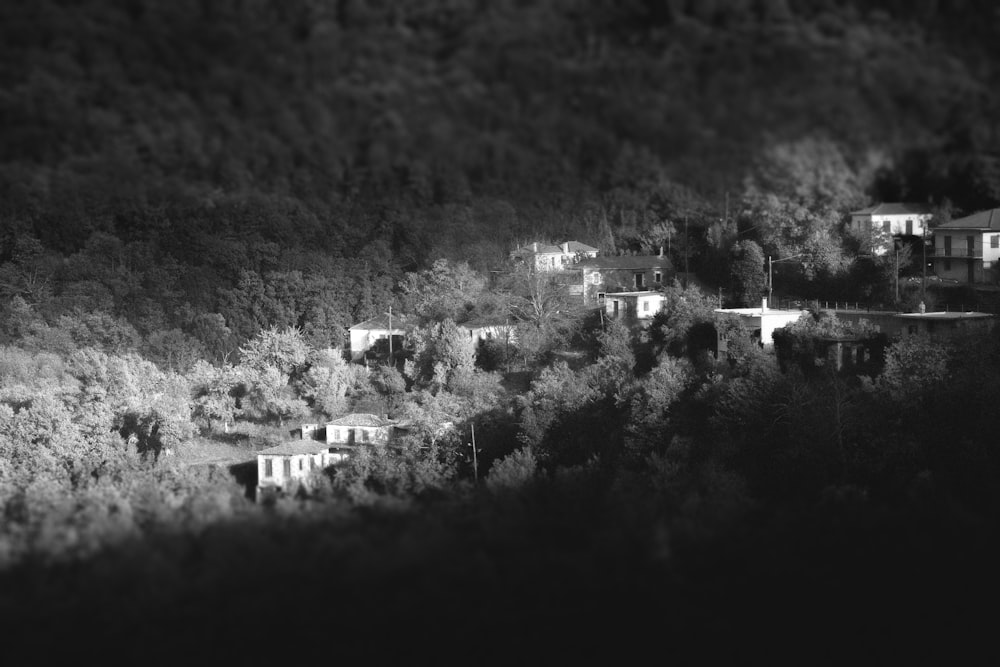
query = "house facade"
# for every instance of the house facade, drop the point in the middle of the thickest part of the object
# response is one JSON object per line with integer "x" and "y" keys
{"x": 282, "y": 467}
{"x": 359, "y": 428}
{"x": 892, "y": 219}
{"x": 546, "y": 257}
{"x": 968, "y": 249}
{"x": 482, "y": 330}
{"x": 633, "y": 305}
{"x": 601, "y": 276}
{"x": 365, "y": 335}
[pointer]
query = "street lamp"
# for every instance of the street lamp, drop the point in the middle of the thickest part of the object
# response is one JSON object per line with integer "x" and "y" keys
{"x": 770, "y": 277}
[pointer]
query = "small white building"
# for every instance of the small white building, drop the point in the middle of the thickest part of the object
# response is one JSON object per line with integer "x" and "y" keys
{"x": 762, "y": 322}
{"x": 641, "y": 305}
{"x": 366, "y": 334}
{"x": 892, "y": 219}
{"x": 481, "y": 330}
{"x": 968, "y": 249}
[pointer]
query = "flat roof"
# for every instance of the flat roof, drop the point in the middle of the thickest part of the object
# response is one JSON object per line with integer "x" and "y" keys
{"x": 757, "y": 312}
{"x": 642, "y": 293}
{"x": 946, "y": 315}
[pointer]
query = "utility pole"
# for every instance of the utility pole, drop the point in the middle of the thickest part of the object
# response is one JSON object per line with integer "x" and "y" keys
{"x": 475, "y": 459}
{"x": 685, "y": 250}
{"x": 896, "y": 247}
{"x": 923, "y": 264}
{"x": 770, "y": 282}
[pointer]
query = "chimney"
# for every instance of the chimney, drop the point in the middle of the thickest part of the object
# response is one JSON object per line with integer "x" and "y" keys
{"x": 534, "y": 246}
{"x": 661, "y": 251}
{"x": 763, "y": 304}
{"x": 565, "y": 248}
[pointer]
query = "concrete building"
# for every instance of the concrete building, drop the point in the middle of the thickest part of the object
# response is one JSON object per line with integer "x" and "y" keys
{"x": 633, "y": 305}
{"x": 601, "y": 276}
{"x": 762, "y": 323}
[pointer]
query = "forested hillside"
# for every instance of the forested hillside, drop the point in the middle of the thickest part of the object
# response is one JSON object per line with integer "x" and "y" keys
{"x": 197, "y": 197}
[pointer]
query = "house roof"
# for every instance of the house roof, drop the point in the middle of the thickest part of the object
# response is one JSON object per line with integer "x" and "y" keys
{"x": 295, "y": 448}
{"x": 626, "y": 262}
{"x": 538, "y": 249}
{"x": 576, "y": 246}
{"x": 635, "y": 293}
{"x": 484, "y": 323}
{"x": 985, "y": 220}
{"x": 360, "y": 419}
{"x": 381, "y": 322}
{"x": 894, "y": 208}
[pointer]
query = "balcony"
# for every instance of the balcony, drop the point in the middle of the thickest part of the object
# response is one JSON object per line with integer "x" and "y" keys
{"x": 955, "y": 253}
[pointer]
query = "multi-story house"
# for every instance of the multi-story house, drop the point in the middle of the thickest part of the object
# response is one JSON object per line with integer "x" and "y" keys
{"x": 544, "y": 257}
{"x": 877, "y": 225}
{"x": 600, "y": 276}
{"x": 968, "y": 249}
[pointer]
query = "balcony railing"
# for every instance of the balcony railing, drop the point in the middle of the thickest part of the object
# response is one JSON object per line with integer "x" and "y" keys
{"x": 975, "y": 253}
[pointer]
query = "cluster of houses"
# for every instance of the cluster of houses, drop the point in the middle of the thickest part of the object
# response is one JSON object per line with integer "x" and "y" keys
{"x": 629, "y": 287}
{"x": 282, "y": 466}
{"x": 964, "y": 250}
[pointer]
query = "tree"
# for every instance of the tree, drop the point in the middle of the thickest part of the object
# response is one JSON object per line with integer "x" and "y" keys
{"x": 271, "y": 365}
{"x": 440, "y": 350}
{"x": 329, "y": 381}
{"x": 447, "y": 290}
{"x": 747, "y": 271}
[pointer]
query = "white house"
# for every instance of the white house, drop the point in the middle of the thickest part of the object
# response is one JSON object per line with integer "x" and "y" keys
{"x": 359, "y": 428}
{"x": 762, "y": 322}
{"x": 279, "y": 467}
{"x": 892, "y": 219}
{"x": 480, "y": 330}
{"x": 640, "y": 305}
{"x": 544, "y": 257}
{"x": 968, "y": 249}
{"x": 366, "y": 334}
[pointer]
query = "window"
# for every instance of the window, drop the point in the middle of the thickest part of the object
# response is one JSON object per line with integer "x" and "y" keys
{"x": 268, "y": 468}
{"x": 640, "y": 280}
{"x": 887, "y": 226}
{"x": 287, "y": 467}
{"x": 364, "y": 436}
{"x": 995, "y": 241}
{"x": 302, "y": 465}
{"x": 657, "y": 277}
{"x": 645, "y": 306}
{"x": 909, "y": 228}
